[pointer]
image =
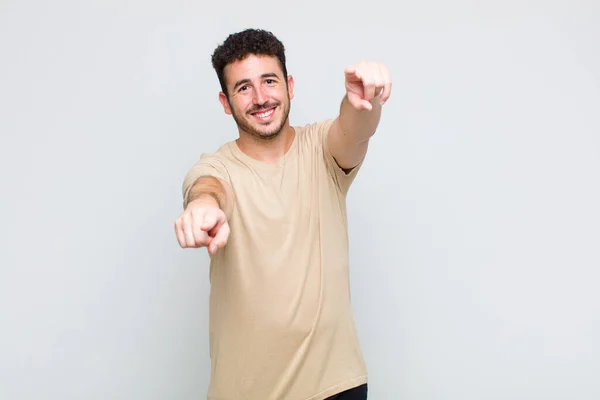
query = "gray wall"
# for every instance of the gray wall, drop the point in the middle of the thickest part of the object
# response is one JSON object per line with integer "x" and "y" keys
{"x": 474, "y": 223}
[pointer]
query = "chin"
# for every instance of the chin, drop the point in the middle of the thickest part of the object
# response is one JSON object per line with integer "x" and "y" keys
{"x": 269, "y": 134}
{"x": 268, "y": 131}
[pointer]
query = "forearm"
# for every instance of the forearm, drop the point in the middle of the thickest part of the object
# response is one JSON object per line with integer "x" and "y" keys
{"x": 213, "y": 191}
{"x": 358, "y": 126}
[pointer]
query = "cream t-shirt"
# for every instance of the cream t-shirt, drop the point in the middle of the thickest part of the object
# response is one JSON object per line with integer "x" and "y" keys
{"x": 281, "y": 324}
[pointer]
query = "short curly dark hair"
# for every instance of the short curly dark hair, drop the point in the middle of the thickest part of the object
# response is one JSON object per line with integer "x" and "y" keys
{"x": 240, "y": 45}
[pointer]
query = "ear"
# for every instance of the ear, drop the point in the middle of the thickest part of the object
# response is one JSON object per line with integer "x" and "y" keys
{"x": 225, "y": 103}
{"x": 290, "y": 85}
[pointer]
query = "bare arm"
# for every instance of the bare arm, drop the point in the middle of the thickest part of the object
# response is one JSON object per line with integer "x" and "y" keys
{"x": 350, "y": 133}
{"x": 210, "y": 190}
{"x": 368, "y": 87}
{"x": 205, "y": 219}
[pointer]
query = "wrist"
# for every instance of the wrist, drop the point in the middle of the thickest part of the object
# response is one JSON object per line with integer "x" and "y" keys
{"x": 206, "y": 200}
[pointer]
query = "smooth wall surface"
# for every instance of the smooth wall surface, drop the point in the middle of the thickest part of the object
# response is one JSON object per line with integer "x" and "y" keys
{"x": 474, "y": 223}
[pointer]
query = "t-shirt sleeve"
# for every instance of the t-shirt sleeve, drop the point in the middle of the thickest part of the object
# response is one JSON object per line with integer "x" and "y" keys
{"x": 207, "y": 165}
{"x": 342, "y": 178}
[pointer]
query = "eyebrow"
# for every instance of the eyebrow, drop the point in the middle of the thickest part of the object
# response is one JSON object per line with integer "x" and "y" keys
{"x": 244, "y": 81}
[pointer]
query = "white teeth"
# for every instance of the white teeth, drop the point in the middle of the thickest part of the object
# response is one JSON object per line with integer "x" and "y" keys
{"x": 265, "y": 114}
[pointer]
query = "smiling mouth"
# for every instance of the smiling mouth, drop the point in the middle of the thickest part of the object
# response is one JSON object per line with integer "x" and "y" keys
{"x": 264, "y": 115}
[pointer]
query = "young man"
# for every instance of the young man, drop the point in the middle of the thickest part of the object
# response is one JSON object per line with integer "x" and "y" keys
{"x": 270, "y": 207}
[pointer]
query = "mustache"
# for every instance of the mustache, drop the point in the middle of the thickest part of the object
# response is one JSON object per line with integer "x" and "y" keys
{"x": 261, "y": 107}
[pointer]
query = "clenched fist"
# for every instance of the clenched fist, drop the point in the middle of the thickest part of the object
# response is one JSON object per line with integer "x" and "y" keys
{"x": 365, "y": 81}
{"x": 202, "y": 224}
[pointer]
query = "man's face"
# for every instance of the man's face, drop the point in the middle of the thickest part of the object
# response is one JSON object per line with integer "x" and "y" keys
{"x": 259, "y": 96}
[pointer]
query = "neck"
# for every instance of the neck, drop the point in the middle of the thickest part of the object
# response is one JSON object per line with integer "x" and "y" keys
{"x": 267, "y": 150}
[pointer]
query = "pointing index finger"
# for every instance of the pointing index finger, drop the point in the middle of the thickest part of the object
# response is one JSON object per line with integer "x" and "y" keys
{"x": 352, "y": 73}
{"x": 387, "y": 88}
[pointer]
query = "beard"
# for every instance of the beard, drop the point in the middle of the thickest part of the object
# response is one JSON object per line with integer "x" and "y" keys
{"x": 263, "y": 131}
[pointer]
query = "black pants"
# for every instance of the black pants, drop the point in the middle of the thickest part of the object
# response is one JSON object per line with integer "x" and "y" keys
{"x": 357, "y": 393}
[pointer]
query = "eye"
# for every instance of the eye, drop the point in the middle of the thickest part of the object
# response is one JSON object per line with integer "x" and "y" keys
{"x": 270, "y": 81}
{"x": 243, "y": 88}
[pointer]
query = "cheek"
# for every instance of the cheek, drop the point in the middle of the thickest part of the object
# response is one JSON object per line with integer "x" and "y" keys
{"x": 279, "y": 93}
{"x": 240, "y": 104}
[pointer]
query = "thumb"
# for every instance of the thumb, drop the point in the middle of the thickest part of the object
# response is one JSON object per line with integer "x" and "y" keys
{"x": 209, "y": 222}
{"x": 366, "y": 105}
{"x": 358, "y": 102}
{"x": 220, "y": 238}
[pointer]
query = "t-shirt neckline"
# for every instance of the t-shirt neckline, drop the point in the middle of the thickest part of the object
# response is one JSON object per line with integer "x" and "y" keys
{"x": 261, "y": 164}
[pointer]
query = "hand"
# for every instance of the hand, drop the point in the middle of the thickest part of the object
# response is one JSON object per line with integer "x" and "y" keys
{"x": 365, "y": 81}
{"x": 202, "y": 224}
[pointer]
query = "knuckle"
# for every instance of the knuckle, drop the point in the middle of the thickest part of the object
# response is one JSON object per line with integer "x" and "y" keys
{"x": 197, "y": 211}
{"x": 209, "y": 223}
{"x": 200, "y": 240}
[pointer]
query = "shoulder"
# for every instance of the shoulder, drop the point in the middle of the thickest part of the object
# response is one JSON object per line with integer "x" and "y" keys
{"x": 222, "y": 156}
{"x": 317, "y": 127}
{"x": 214, "y": 164}
{"x": 314, "y": 133}
{"x": 313, "y": 138}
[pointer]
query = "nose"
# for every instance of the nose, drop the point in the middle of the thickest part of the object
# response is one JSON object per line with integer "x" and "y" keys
{"x": 260, "y": 97}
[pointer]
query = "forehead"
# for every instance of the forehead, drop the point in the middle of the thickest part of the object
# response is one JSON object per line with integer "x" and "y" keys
{"x": 251, "y": 67}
